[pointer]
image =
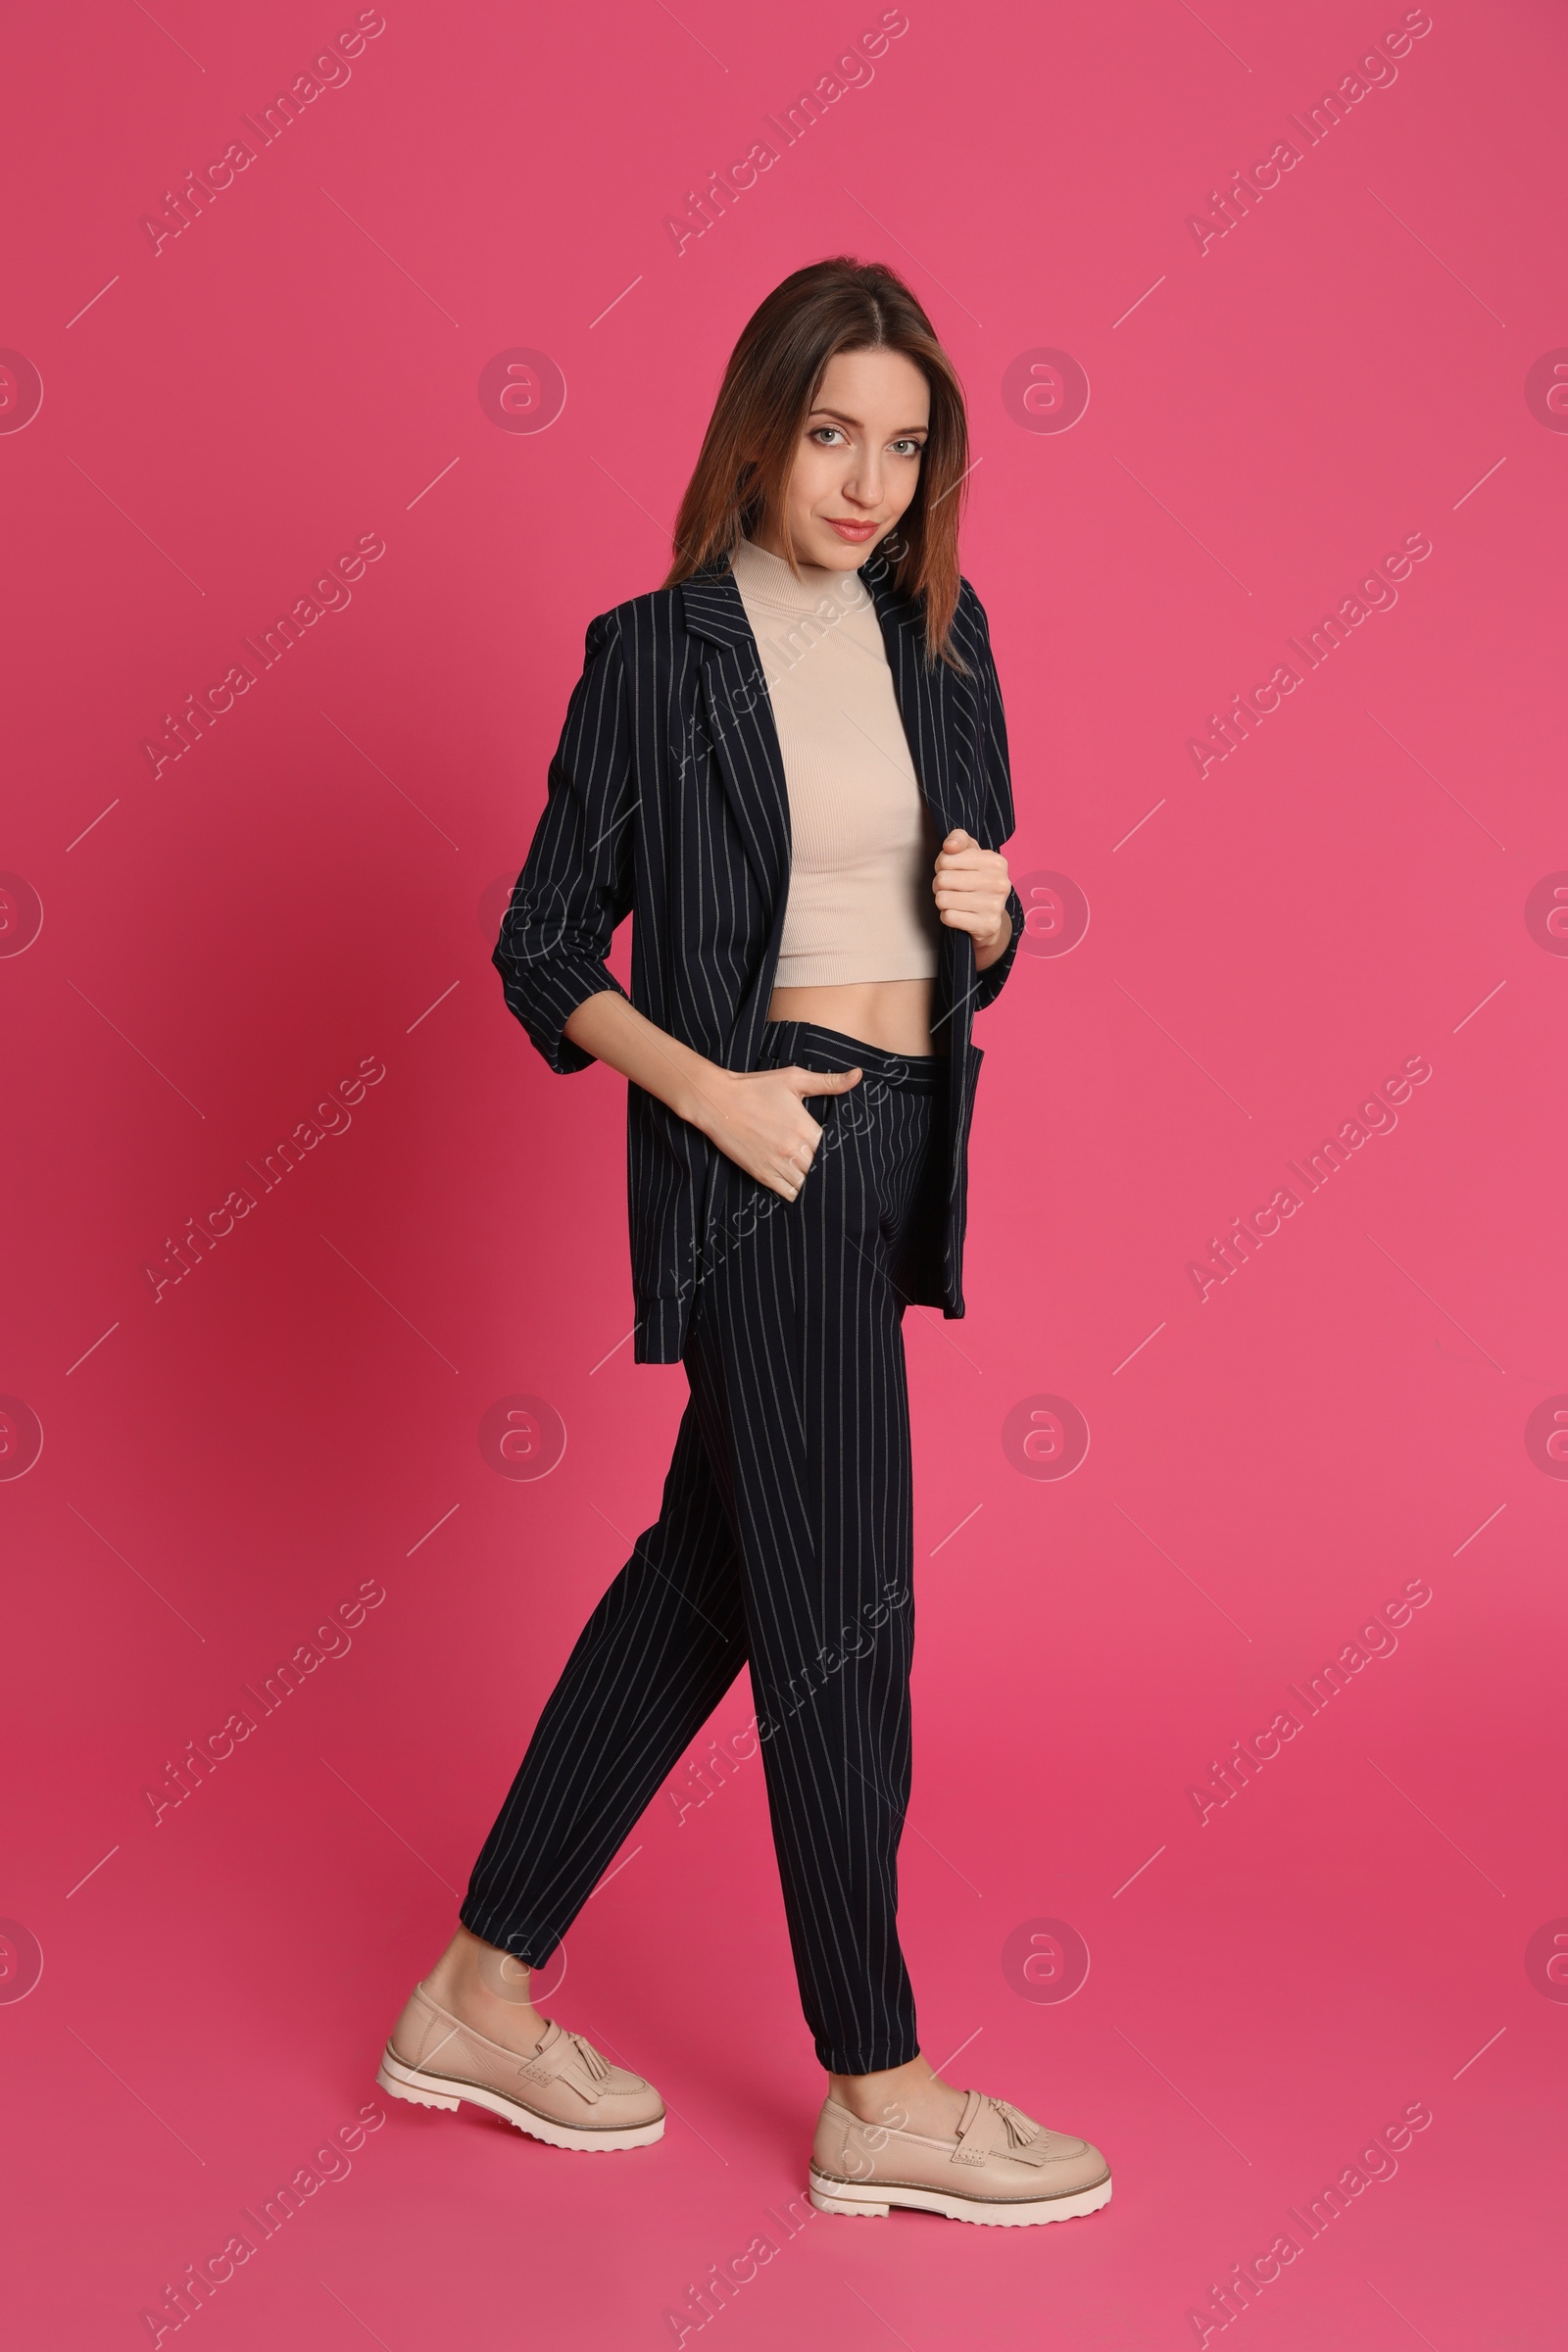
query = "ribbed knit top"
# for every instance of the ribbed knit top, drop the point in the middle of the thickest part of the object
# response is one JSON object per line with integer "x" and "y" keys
{"x": 863, "y": 842}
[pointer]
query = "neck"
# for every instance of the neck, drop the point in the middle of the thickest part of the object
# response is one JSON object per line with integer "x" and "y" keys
{"x": 771, "y": 544}
{"x": 766, "y": 578}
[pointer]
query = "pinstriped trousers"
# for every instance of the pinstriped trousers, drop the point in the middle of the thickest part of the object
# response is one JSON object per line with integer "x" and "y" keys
{"x": 785, "y": 1541}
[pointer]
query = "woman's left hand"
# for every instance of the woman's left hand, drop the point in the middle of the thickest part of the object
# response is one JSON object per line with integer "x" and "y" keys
{"x": 970, "y": 886}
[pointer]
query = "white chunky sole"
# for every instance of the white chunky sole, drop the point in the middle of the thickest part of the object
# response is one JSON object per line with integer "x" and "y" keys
{"x": 447, "y": 2091}
{"x": 874, "y": 2199}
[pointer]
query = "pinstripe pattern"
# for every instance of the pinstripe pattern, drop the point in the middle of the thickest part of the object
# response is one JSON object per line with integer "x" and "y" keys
{"x": 667, "y": 795}
{"x": 785, "y": 1540}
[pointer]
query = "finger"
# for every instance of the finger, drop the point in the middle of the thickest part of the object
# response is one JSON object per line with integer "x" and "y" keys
{"x": 958, "y": 839}
{"x": 971, "y": 901}
{"x": 821, "y": 1082}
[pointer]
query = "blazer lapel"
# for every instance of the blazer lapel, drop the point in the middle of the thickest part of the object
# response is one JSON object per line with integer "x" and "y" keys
{"x": 928, "y": 694}
{"x": 741, "y": 727}
{"x": 924, "y": 691}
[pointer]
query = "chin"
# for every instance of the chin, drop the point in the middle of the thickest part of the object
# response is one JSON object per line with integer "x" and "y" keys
{"x": 841, "y": 555}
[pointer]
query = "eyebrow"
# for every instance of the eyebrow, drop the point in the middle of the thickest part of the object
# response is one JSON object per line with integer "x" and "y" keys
{"x": 838, "y": 415}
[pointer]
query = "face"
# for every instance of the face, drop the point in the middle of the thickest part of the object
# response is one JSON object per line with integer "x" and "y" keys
{"x": 859, "y": 461}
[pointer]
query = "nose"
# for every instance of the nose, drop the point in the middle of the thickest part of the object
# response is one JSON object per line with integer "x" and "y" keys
{"x": 864, "y": 486}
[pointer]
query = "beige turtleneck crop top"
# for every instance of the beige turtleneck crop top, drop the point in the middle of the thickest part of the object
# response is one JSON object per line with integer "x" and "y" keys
{"x": 863, "y": 842}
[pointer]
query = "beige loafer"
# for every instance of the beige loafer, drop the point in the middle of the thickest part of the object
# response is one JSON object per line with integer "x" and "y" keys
{"x": 1001, "y": 2167}
{"x": 565, "y": 2093}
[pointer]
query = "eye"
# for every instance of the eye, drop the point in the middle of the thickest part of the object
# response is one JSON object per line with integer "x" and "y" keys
{"x": 907, "y": 447}
{"x": 817, "y": 432}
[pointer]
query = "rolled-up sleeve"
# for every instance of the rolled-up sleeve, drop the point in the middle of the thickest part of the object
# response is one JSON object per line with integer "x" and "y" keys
{"x": 576, "y": 884}
{"x": 1000, "y": 822}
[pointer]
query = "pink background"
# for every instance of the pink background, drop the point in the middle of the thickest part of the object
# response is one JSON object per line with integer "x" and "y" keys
{"x": 317, "y": 881}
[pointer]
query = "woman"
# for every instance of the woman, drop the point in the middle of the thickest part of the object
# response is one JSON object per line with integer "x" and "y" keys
{"x": 790, "y": 762}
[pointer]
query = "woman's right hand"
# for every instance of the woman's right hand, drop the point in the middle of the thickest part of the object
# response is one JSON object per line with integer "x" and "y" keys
{"x": 759, "y": 1119}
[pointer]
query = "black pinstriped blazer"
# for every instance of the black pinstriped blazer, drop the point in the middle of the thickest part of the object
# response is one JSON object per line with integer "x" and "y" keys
{"x": 668, "y": 800}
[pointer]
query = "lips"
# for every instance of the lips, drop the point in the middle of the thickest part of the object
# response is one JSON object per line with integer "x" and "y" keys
{"x": 847, "y": 529}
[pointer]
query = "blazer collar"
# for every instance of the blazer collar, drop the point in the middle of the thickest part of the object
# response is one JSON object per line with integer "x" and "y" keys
{"x": 711, "y": 602}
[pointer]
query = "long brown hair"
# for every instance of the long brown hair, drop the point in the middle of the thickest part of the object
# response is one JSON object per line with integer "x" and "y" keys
{"x": 767, "y": 393}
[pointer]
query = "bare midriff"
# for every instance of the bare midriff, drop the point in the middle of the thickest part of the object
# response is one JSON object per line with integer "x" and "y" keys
{"x": 894, "y": 1014}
